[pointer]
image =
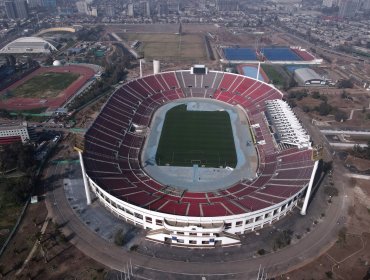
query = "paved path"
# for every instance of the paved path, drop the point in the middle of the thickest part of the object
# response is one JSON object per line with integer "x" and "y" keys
{"x": 346, "y": 132}
{"x": 294, "y": 256}
{"x": 35, "y": 246}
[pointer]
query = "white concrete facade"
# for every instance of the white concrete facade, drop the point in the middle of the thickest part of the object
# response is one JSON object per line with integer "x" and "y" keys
{"x": 195, "y": 231}
{"x": 12, "y": 129}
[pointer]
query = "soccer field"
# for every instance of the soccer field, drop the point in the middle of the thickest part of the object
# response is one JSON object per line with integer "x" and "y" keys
{"x": 169, "y": 46}
{"x": 196, "y": 137}
{"x": 46, "y": 85}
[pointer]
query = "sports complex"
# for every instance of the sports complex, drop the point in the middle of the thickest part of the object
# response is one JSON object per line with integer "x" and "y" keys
{"x": 275, "y": 55}
{"x": 197, "y": 157}
{"x": 46, "y": 88}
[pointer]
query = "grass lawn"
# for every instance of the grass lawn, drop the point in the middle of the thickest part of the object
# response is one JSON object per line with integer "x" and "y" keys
{"x": 169, "y": 46}
{"x": 273, "y": 74}
{"x": 46, "y": 85}
{"x": 195, "y": 137}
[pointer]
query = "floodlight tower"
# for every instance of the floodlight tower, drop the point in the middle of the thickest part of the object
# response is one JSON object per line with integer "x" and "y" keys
{"x": 79, "y": 147}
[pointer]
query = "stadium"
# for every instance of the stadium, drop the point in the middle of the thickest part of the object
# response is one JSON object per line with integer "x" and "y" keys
{"x": 32, "y": 45}
{"x": 198, "y": 157}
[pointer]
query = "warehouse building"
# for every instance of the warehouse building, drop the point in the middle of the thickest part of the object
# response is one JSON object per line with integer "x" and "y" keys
{"x": 308, "y": 77}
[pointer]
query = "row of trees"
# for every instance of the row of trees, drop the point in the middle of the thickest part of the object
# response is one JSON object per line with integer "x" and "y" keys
{"x": 115, "y": 72}
{"x": 323, "y": 109}
{"x": 17, "y": 156}
{"x": 362, "y": 152}
{"x": 16, "y": 189}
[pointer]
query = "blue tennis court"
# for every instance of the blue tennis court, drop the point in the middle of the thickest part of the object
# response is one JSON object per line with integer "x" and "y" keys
{"x": 284, "y": 54}
{"x": 251, "y": 71}
{"x": 240, "y": 54}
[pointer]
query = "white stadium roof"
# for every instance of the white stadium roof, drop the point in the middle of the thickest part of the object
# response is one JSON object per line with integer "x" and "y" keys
{"x": 288, "y": 127}
{"x": 307, "y": 76}
{"x": 28, "y": 45}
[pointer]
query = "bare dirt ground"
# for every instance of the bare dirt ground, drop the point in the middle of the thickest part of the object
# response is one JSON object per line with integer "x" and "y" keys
{"x": 63, "y": 260}
{"x": 349, "y": 257}
{"x": 54, "y": 257}
{"x": 359, "y": 163}
{"x": 358, "y": 100}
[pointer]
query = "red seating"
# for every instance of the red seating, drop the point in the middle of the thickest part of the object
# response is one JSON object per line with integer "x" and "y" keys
{"x": 170, "y": 80}
{"x": 305, "y": 55}
{"x": 253, "y": 204}
{"x": 213, "y": 210}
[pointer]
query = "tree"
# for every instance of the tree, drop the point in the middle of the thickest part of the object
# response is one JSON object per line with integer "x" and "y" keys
{"x": 305, "y": 108}
{"x": 342, "y": 236}
{"x": 316, "y": 95}
{"x": 283, "y": 239}
{"x": 119, "y": 238}
{"x": 324, "y": 109}
{"x": 49, "y": 60}
{"x": 345, "y": 84}
{"x": 340, "y": 115}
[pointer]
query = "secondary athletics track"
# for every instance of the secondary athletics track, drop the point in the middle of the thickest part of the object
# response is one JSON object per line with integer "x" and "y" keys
{"x": 17, "y": 103}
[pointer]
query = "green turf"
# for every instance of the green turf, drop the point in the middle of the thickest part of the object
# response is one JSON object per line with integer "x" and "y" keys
{"x": 195, "y": 137}
{"x": 273, "y": 74}
{"x": 46, "y": 85}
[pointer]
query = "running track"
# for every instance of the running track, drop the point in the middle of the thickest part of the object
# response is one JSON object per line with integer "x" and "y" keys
{"x": 16, "y": 103}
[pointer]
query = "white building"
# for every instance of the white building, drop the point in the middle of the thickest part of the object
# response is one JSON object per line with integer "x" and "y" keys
{"x": 308, "y": 77}
{"x": 29, "y": 45}
{"x": 82, "y": 7}
{"x": 327, "y": 3}
{"x": 14, "y": 132}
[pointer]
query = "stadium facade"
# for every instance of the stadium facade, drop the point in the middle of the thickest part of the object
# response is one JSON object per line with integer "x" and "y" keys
{"x": 113, "y": 171}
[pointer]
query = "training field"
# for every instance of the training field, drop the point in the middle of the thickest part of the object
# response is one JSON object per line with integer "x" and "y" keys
{"x": 196, "y": 137}
{"x": 45, "y": 88}
{"x": 45, "y": 85}
{"x": 169, "y": 46}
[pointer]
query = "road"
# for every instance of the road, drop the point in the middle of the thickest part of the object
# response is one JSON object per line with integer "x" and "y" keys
{"x": 294, "y": 256}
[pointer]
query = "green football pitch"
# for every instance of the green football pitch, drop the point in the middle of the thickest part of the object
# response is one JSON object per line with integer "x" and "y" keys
{"x": 196, "y": 137}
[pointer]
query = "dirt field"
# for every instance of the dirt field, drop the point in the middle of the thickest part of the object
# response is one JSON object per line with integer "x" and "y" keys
{"x": 359, "y": 163}
{"x": 358, "y": 101}
{"x": 55, "y": 259}
{"x": 169, "y": 46}
{"x": 349, "y": 258}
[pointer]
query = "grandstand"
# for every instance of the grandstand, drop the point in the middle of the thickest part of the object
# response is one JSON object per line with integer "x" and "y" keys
{"x": 28, "y": 45}
{"x": 113, "y": 171}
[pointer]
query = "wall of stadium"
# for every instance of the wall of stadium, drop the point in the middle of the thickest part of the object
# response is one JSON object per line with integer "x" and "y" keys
{"x": 195, "y": 231}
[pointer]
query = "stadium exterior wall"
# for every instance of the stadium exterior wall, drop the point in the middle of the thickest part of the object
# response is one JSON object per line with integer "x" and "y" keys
{"x": 205, "y": 231}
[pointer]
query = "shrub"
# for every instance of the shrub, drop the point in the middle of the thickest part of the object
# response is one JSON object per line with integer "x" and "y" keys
{"x": 283, "y": 239}
{"x": 324, "y": 109}
{"x": 340, "y": 115}
{"x": 134, "y": 247}
{"x": 316, "y": 95}
{"x": 329, "y": 274}
{"x": 119, "y": 238}
{"x": 261, "y": 252}
{"x": 331, "y": 191}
